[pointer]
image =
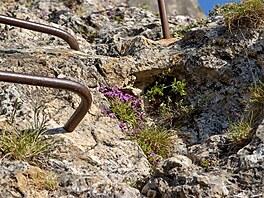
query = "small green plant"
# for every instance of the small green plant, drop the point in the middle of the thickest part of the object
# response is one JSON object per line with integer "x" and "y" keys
{"x": 156, "y": 90}
{"x": 246, "y": 13}
{"x": 29, "y": 4}
{"x": 243, "y": 130}
{"x": 179, "y": 87}
{"x": 125, "y": 112}
{"x": 205, "y": 163}
{"x": 208, "y": 163}
{"x": 154, "y": 141}
{"x": 182, "y": 30}
{"x": 240, "y": 131}
{"x": 27, "y": 144}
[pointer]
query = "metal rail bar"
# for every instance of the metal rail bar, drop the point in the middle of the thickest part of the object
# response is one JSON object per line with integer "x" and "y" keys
{"x": 41, "y": 28}
{"x": 164, "y": 20}
{"x": 82, "y": 91}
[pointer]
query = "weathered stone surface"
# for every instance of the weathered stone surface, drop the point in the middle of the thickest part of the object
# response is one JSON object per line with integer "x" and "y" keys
{"x": 178, "y": 177}
{"x": 120, "y": 47}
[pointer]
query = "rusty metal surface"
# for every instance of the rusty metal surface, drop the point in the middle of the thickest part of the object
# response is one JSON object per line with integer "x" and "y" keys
{"x": 164, "y": 20}
{"x": 82, "y": 91}
{"x": 41, "y": 28}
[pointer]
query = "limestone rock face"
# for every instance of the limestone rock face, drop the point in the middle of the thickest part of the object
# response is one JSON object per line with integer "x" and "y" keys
{"x": 121, "y": 47}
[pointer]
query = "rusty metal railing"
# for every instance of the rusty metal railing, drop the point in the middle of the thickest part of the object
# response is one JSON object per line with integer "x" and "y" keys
{"x": 164, "y": 20}
{"x": 57, "y": 83}
{"x": 82, "y": 91}
{"x": 41, "y": 28}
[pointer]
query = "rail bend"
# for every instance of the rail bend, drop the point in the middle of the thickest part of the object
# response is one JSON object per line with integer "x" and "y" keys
{"x": 41, "y": 28}
{"x": 58, "y": 83}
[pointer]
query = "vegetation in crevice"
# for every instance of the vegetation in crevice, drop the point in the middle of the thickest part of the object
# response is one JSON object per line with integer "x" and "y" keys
{"x": 156, "y": 141}
{"x": 166, "y": 101}
{"x": 242, "y": 131}
{"x": 28, "y": 144}
{"x": 165, "y": 105}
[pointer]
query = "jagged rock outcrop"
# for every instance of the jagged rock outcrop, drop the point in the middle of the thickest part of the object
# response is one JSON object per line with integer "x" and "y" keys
{"x": 120, "y": 47}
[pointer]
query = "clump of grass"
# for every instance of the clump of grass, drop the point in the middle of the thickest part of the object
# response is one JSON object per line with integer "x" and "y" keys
{"x": 257, "y": 101}
{"x": 247, "y": 13}
{"x": 27, "y": 144}
{"x": 155, "y": 140}
{"x": 240, "y": 131}
{"x": 45, "y": 180}
{"x": 243, "y": 130}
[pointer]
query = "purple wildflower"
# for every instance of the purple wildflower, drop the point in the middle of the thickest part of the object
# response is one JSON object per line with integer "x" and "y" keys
{"x": 104, "y": 111}
{"x": 168, "y": 154}
{"x": 110, "y": 13}
{"x": 111, "y": 115}
{"x": 109, "y": 93}
{"x": 141, "y": 126}
{"x": 152, "y": 154}
{"x": 136, "y": 102}
{"x": 42, "y": 14}
{"x": 102, "y": 88}
{"x": 86, "y": 37}
{"x": 136, "y": 131}
{"x": 127, "y": 97}
{"x": 123, "y": 126}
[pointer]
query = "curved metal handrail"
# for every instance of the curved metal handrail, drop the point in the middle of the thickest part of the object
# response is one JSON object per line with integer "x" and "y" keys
{"x": 41, "y": 28}
{"x": 82, "y": 91}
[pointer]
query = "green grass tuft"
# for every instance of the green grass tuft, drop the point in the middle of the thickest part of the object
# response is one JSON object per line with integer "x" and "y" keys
{"x": 155, "y": 141}
{"x": 240, "y": 131}
{"x": 27, "y": 144}
{"x": 246, "y": 14}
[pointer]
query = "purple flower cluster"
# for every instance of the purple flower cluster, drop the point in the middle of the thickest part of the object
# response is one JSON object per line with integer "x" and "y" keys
{"x": 124, "y": 98}
{"x": 123, "y": 126}
{"x": 116, "y": 93}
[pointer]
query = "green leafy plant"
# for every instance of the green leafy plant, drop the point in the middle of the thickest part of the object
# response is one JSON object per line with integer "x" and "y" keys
{"x": 182, "y": 30}
{"x": 29, "y": 4}
{"x": 179, "y": 87}
{"x": 167, "y": 103}
{"x": 156, "y": 90}
{"x": 205, "y": 163}
{"x": 209, "y": 163}
{"x": 159, "y": 88}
